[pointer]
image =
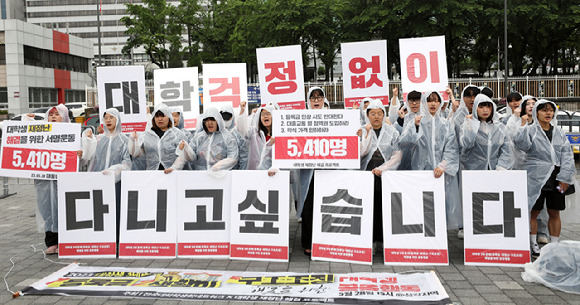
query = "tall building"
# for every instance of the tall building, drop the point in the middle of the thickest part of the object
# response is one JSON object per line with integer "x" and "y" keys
{"x": 79, "y": 18}
{"x": 12, "y": 9}
{"x": 41, "y": 67}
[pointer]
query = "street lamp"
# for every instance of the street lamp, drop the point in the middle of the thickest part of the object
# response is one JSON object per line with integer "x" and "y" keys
{"x": 99, "y": 31}
{"x": 505, "y": 45}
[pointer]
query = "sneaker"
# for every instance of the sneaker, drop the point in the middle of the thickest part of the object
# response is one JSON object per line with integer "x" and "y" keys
{"x": 299, "y": 220}
{"x": 460, "y": 234}
{"x": 535, "y": 251}
{"x": 542, "y": 239}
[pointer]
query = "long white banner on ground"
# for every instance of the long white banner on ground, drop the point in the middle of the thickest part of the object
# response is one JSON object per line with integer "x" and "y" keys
{"x": 183, "y": 284}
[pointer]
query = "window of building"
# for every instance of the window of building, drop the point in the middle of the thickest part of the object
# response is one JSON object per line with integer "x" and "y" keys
{"x": 3, "y": 98}
{"x": 42, "y": 97}
{"x": 74, "y": 96}
{"x": 50, "y": 59}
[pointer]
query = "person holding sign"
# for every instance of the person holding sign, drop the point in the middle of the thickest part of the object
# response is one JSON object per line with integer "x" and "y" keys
{"x": 46, "y": 191}
{"x": 213, "y": 147}
{"x": 550, "y": 168}
{"x": 379, "y": 152}
{"x": 484, "y": 145}
{"x": 108, "y": 153}
{"x": 256, "y": 134}
{"x": 159, "y": 142}
{"x": 434, "y": 145}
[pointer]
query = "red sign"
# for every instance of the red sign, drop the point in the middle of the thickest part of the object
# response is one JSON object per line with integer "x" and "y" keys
{"x": 424, "y": 256}
{"x": 260, "y": 252}
{"x": 148, "y": 249}
{"x": 342, "y": 253}
{"x": 39, "y": 160}
{"x": 203, "y": 249}
{"x": 72, "y": 249}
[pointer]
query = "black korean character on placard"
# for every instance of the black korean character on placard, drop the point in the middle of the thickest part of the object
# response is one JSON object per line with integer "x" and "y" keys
{"x": 130, "y": 96}
{"x": 332, "y": 224}
{"x": 269, "y": 217}
{"x": 201, "y": 222}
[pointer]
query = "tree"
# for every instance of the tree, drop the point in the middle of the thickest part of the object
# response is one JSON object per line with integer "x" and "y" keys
{"x": 153, "y": 26}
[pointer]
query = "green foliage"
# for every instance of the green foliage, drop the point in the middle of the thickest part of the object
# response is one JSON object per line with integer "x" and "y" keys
{"x": 540, "y": 32}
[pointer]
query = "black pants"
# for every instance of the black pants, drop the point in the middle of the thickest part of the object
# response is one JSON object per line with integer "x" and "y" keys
{"x": 378, "y": 211}
{"x": 50, "y": 238}
{"x": 307, "y": 215}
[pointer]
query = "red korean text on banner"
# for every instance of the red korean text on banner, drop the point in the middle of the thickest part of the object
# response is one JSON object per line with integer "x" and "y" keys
{"x": 316, "y": 147}
{"x": 39, "y": 160}
{"x": 82, "y": 249}
{"x": 359, "y": 65}
{"x": 282, "y": 77}
{"x": 232, "y": 87}
{"x": 422, "y": 67}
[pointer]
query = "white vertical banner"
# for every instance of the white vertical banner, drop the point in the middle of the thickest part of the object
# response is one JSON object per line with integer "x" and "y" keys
{"x": 342, "y": 226}
{"x": 281, "y": 76}
{"x": 260, "y": 215}
{"x": 179, "y": 87}
{"x": 495, "y": 218}
{"x": 148, "y": 215}
{"x": 87, "y": 215}
{"x": 365, "y": 71}
{"x": 424, "y": 65}
{"x": 415, "y": 226}
{"x": 224, "y": 83}
{"x": 124, "y": 88}
{"x": 203, "y": 214}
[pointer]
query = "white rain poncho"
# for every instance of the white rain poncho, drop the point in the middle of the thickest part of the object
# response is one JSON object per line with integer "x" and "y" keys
{"x": 511, "y": 129}
{"x": 179, "y": 110}
{"x": 230, "y": 125}
{"x": 387, "y": 143}
{"x": 434, "y": 144}
{"x": 255, "y": 137}
{"x": 484, "y": 145}
{"x": 459, "y": 115}
{"x": 212, "y": 151}
{"x": 407, "y": 151}
{"x": 508, "y": 111}
{"x": 542, "y": 155}
{"x": 107, "y": 152}
{"x": 46, "y": 191}
{"x": 158, "y": 151}
{"x": 557, "y": 267}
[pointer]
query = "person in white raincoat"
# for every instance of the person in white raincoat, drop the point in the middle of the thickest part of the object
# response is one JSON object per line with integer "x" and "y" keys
{"x": 227, "y": 113}
{"x": 159, "y": 142}
{"x": 379, "y": 152}
{"x": 213, "y": 147}
{"x": 413, "y": 108}
{"x": 46, "y": 190}
{"x": 108, "y": 153}
{"x": 550, "y": 167}
{"x": 465, "y": 107}
{"x": 434, "y": 145}
{"x": 484, "y": 144}
{"x": 513, "y": 101}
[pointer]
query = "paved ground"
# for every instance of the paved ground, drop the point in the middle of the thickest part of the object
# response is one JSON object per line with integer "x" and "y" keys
{"x": 464, "y": 284}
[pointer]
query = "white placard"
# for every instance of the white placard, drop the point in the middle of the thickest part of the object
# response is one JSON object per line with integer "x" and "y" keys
{"x": 203, "y": 205}
{"x": 342, "y": 226}
{"x": 316, "y": 139}
{"x": 224, "y": 83}
{"x": 495, "y": 218}
{"x": 260, "y": 215}
{"x": 179, "y": 87}
{"x": 424, "y": 65}
{"x": 39, "y": 150}
{"x": 365, "y": 70}
{"x": 124, "y": 88}
{"x": 415, "y": 228}
{"x": 281, "y": 76}
{"x": 87, "y": 215}
{"x": 148, "y": 215}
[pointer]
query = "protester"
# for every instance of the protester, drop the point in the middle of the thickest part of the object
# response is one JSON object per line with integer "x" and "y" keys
{"x": 413, "y": 106}
{"x": 513, "y": 100}
{"x": 46, "y": 190}
{"x": 484, "y": 145}
{"x": 379, "y": 152}
{"x": 158, "y": 143}
{"x": 227, "y": 114}
{"x": 550, "y": 168}
{"x": 212, "y": 148}
{"x": 433, "y": 142}
{"x": 108, "y": 153}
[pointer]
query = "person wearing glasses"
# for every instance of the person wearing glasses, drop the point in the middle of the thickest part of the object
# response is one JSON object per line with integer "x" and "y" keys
{"x": 407, "y": 115}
